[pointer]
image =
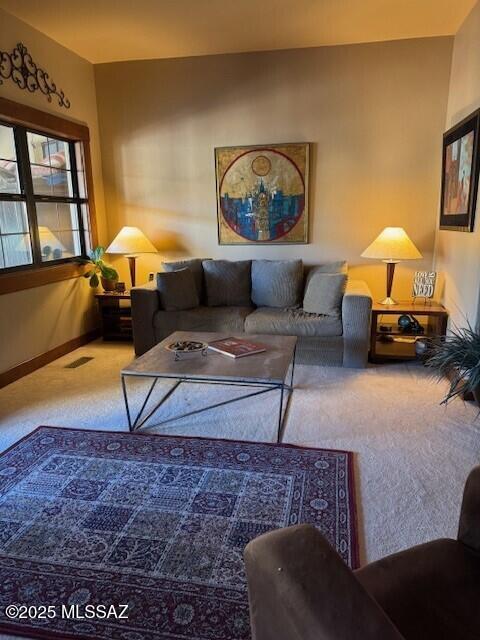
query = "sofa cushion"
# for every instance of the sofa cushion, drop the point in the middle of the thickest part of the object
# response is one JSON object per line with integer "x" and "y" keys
{"x": 195, "y": 265}
{"x": 293, "y": 322}
{"x": 277, "y": 283}
{"x": 227, "y": 283}
{"x": 222, "y": 319}
{"x": 324, "y": 293}
{"x": 177, "y": 290}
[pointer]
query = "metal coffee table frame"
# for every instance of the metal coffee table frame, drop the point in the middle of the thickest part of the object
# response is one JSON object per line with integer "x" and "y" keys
{"x": 263, "y": 387}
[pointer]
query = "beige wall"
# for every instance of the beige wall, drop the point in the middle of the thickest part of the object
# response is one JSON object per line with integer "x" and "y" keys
{"x": 375, "y": 114}
{"x": 458, "y": 254}
{"x": 36, "y": 320}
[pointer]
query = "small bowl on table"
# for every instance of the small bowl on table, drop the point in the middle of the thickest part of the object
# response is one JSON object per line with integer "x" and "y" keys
{"x": 187, "y": 348}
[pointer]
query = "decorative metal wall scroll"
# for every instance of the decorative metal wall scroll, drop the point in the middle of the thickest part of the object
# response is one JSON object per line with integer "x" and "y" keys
{"x": 19, "y": 67}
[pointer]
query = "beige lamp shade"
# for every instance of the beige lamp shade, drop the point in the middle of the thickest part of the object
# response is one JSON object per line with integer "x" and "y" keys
{"x": 50, "y": 240}
{"x": 131, "y": 240}
{"x": 392, "y": 245}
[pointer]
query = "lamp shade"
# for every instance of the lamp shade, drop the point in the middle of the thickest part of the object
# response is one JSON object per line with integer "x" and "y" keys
{"x": 131, "y": 240}
{"x": 392, "y": 245}
{"x": 49, "y": 239}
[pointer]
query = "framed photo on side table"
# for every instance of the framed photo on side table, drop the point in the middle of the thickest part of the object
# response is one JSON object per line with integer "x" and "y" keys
{"x": 460, "y": 169}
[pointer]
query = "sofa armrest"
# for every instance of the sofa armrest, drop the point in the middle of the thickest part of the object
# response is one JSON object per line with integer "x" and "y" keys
{"x": 145, "y": 303}
{"x": 356, "y": 319}
{"x": 469, "y": 525}
{"x": 300, "y": 589}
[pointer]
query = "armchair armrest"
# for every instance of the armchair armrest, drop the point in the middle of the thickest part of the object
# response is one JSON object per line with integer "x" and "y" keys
{"x": 300, "y": 589}
{"x": 356, "y": 319}
{"x": 469, "y": 525}
{"x": 145, "y": 303}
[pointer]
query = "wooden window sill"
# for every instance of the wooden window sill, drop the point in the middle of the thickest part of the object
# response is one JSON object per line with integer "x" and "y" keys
{"x": 30, "y": 278}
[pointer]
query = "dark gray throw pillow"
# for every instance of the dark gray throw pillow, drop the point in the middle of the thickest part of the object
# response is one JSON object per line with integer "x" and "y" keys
{"x": 324, "y": 293}
{"x": 227, "y": 283}
{"x": 334, "y": 266}
{"x": 177, "y": 290}
{"x": 277, "y": 283}
{"x": 195, "y": 265}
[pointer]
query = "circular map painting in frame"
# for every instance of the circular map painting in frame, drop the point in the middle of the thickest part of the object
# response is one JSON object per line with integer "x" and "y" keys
{"x": 262, "y": 194}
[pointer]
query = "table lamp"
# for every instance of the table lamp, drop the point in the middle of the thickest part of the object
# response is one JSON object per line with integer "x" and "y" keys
{"x": 392, "y": 246}
{"x": 129, "y": 242}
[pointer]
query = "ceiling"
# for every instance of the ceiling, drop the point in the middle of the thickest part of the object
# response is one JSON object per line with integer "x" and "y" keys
{"x": 114, "y": 30}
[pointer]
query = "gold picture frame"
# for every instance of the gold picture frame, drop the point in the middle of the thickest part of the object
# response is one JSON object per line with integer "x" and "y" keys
{"x": 262, "y": 193}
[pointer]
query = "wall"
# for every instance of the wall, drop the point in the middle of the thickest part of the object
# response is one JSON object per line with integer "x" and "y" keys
{"x": 374, "y": 112}
{"x": 458, "y": 254}
{"x": 37, "y": 320}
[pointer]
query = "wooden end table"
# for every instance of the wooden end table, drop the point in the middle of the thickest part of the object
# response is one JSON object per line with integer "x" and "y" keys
{"x": 389, "y": 342}
{"x": 116, "y": 313}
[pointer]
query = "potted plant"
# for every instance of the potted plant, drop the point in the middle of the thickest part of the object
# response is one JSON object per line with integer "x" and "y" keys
{"x": 457, "y": 358}
{"x": 108, "y": 275}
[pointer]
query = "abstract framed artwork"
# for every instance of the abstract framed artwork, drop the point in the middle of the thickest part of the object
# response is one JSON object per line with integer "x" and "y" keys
{"x": 262, "y": 194}
{"x": 460, "y": 170}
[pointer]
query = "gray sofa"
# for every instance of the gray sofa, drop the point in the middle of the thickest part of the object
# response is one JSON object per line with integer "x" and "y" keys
{"x": 339, "y": 336}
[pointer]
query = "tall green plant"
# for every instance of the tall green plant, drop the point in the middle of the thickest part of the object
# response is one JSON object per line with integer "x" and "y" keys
{"x": 457, "y": 358}
{"x": 98, "y": 267}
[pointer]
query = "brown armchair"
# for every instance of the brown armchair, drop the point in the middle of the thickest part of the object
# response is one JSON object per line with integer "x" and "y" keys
{"x": 300, "y": 588}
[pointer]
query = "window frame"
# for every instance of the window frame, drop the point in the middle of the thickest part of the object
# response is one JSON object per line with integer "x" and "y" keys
{"x": 37, "y": 274}
{"x": 28, "y": 196}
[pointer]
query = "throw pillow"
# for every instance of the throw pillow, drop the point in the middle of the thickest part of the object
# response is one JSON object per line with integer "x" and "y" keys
{"x": 177, "y": 290}
{"x": 277, "y": 283}
{"x": 335, "y": 266}
{"x": 324, "y": 293}
{"x": 195, "y": 265}
{"x": 227, "y": 283}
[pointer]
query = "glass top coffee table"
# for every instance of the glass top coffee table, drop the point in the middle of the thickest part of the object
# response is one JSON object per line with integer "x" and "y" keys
{"x": 260, "y": 373}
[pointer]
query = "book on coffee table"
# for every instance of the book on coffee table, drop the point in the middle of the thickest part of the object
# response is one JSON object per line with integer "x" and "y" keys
{"x": 235, "y": 347}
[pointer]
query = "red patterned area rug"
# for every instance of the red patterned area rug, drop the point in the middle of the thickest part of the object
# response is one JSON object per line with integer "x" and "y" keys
{"x": 125, "y": 536}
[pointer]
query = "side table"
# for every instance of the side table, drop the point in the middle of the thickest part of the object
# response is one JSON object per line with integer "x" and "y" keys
{"x": 116, "y": 313}
{"x": 389, "y": 342}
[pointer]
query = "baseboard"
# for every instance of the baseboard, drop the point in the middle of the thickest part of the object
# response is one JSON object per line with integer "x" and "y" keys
{"x": 23, "y": 369}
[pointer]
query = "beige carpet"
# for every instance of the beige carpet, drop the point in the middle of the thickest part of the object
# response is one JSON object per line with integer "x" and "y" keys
{"x": 412, "y": 454}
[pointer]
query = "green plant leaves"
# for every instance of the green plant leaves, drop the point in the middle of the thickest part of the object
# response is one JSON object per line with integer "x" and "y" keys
{"x": 457, "y": 358}
{"x": 94, "y": 281}
{"x": 98, "y": 266}
{"x": 107, "y": 272}
{"x": 96, "y": 254}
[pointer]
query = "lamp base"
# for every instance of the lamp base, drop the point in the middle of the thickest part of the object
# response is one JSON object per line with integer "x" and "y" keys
{"x": 131, "y": 265}
{"x": 389, "y": 301}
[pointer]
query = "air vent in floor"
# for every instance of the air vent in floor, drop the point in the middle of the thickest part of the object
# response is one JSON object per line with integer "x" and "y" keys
{"x": 78, "y": 362}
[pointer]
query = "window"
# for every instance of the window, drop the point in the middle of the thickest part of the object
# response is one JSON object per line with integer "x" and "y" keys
{"x": 44, "y": 216}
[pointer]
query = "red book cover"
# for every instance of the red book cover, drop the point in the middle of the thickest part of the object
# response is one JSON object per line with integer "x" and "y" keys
{"x": 235, "y": 347}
